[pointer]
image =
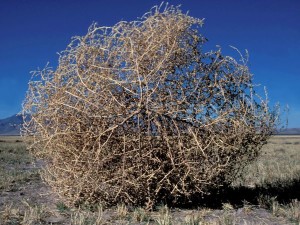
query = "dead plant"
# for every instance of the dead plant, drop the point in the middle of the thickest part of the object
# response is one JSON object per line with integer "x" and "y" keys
{"x": 138, "y": 113}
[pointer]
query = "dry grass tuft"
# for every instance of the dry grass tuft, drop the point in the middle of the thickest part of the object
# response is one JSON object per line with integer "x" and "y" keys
{"x": 137, "y": 113}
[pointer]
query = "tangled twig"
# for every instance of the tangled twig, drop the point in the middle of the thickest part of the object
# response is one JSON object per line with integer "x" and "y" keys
{"x": 138, "y": 113}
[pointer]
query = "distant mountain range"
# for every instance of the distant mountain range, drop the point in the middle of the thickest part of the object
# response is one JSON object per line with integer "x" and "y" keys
{"x": 290, "y": 131}
{"x": 12, "y": 126}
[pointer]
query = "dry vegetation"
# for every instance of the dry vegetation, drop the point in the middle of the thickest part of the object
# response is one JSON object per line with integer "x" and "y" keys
{"x": 138, "y": 114}
{"x": 267, "y": 193}
{"x": 15, "y": 164}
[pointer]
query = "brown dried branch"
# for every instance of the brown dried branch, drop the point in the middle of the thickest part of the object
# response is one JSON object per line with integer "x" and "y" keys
{"x": 138, "y": 113}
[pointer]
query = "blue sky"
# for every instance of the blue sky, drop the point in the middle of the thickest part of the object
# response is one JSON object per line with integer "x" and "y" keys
{"x": 33, "y": 31}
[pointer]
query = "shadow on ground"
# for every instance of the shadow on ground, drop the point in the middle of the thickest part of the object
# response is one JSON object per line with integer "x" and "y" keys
{"x": 282, "y": 191}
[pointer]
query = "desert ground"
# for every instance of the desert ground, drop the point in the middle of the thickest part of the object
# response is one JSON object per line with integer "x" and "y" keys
{"x": 268, "y": 192}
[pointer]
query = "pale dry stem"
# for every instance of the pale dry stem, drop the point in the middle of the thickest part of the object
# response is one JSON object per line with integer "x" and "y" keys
{"x": 138, "y": 113}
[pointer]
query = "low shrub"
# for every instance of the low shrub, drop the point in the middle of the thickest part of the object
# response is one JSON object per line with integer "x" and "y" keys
{"x": 138, "y": 113}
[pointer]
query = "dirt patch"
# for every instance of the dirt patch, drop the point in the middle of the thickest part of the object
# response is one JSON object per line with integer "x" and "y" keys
{"x": 36, "y": 193}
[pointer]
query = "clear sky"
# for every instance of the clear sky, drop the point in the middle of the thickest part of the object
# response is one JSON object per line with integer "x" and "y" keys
{"x": 33, "y": 31}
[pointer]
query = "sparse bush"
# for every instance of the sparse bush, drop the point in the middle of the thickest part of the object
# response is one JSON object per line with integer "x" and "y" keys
{"x": 138, "y": 113}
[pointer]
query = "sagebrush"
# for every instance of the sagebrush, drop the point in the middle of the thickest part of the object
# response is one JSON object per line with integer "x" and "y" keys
{"x": 138, "y": 113}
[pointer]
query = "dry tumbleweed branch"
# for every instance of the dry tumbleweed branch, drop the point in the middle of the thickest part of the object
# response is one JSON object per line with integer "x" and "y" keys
{"x": 138, "y": 113}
